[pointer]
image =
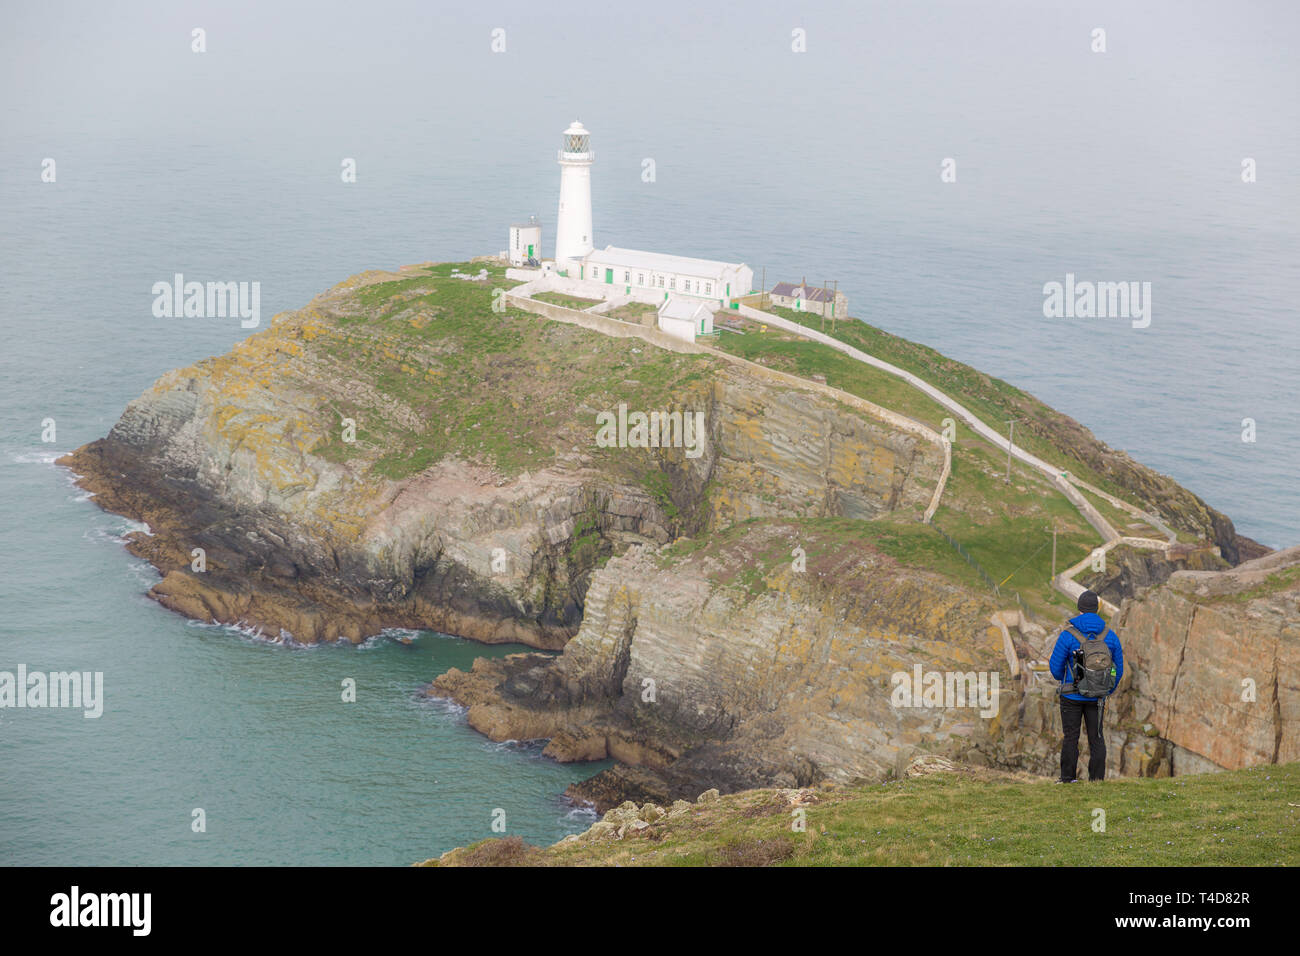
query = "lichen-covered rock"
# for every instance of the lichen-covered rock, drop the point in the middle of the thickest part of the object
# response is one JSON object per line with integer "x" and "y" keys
{"x": 1212, "y": 680}
{"x": 1216, "y": 662}
{"x": 470, "y": 495}
{"x": 722, "y": 667}
{"x": 601, "y": 830}
{"x": 680, "y": 808}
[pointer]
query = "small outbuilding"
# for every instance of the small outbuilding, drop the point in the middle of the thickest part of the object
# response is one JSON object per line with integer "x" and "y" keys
{"x": 685, "y": 318}
{"x": 525, "y": 243}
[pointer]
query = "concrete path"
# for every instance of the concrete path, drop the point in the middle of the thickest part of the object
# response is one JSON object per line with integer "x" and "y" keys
{"x": 1064, "y": 581}
{"x": 591, "y": 319}
{"x": 1067, "y": 484}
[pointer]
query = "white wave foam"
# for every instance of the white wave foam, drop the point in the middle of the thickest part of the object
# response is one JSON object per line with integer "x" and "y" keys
{"x": 133, "y": 525}
{"x": 37, "y": 457}
{"x": 119, "y": 531}
{"x": 443, "y": 705}
{"x": 584, "y": 813}
{"x": 253, "y": 633}
{"x": 144, "y": 572}
{"x": 531, "y": 749}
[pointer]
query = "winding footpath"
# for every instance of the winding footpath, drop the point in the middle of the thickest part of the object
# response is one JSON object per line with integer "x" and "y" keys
{"x": 1066, "y": 483}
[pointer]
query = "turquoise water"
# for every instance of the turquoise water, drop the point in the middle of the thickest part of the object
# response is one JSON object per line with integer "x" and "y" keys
{"x": 225, "y": 166}
{"x": 253, "y": 733}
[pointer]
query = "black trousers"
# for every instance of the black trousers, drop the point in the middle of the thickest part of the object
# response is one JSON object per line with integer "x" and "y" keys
{"x": 1074, "y": 712}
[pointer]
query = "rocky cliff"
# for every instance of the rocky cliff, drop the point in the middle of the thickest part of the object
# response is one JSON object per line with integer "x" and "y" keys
{"x": 723, "y": 664}
{"x": 1212, "y": 679}
{"x": 408, "y": 452}
{"x": 399, "y": 454}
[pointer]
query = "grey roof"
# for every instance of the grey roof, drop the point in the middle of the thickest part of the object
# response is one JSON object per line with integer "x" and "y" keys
{"x": 660, "y": 262}
{"x": 679, "y": 307}
{"x": 811, "y": 292}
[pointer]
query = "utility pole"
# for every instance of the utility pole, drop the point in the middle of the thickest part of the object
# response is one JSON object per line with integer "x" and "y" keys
{"x": 1053, "y": 550}
{"x": 1011, "y": 440}
{"x": 763, "y": 291}
{"x": 835, "y": 298}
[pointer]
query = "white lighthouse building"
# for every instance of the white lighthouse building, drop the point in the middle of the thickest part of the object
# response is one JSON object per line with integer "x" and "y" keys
{"x": 686, "y": 292}
{"x": 573, "y": 225}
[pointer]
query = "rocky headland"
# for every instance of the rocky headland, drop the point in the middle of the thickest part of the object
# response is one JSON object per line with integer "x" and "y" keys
{"x": 405, "y": 452}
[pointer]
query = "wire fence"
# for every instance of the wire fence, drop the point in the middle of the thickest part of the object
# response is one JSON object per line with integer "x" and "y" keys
{"x": 979, "y": 569}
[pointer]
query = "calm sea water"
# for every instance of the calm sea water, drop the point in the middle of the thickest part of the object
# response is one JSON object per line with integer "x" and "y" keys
{"x": 225, "y": 166}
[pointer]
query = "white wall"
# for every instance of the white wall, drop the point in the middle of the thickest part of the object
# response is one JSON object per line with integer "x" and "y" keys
{"x": 678, "y": 328}
{"x": 594, "y": 271}
{"x": 743, "y": 283}
{"x": 520, "y": 239}
{"x": 573, "y": 236}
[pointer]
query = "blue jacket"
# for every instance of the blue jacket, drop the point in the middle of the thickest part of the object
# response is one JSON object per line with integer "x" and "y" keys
{"x": 1067, "y": 644}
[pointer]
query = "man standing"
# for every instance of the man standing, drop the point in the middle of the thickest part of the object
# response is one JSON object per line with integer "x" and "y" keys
{"x": 1088, "y": 661}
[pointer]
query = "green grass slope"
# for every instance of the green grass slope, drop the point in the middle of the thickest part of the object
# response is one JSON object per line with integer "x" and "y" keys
{"x": 967, "y": 817}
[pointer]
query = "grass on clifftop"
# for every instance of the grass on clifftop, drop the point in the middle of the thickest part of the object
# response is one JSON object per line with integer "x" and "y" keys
{"x": 971, "y": 817}
{"x": 1042, "y": 430}
{"x": 567, "y": 301}
{"x": 430, "y": 369}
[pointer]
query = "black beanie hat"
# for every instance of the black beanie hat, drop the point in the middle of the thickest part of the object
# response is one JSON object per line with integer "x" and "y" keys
{"x": 1088, "y": 601}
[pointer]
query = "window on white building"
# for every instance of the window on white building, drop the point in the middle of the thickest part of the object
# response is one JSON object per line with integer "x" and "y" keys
{"x": 672, "y": 282}
{"x": 661, "y": 281}
{"x": 687, "y": 286}
{"x": 708, "y": 288}
{"x": 627, "y": 277}
{"x": 640, "y": 278}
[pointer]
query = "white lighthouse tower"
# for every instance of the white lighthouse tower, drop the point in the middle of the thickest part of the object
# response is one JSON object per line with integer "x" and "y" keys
{"x": 573, "y": 225}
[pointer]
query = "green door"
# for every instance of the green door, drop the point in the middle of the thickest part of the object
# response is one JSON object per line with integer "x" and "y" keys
{"x": 530, "y": 250}
{"x": 609, "y": 276}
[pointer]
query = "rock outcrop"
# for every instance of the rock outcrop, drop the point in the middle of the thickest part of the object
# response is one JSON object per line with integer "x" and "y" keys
{"x": 1216, "y": 663}
{"x": 304, "y": 530}
{"x": 1212, "y": 679}
{"x": 402, "y": 454}
{"x": 726, "y": 667}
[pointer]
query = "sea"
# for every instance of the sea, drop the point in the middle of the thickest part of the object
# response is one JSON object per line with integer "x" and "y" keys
{"x": 940, "y": 162}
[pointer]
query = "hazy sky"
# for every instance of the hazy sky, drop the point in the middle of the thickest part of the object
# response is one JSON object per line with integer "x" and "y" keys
{"x": 1123, "y": 165}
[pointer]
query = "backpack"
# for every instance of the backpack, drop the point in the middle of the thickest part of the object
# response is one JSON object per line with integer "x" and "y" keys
{"x": 1093, "y": 668}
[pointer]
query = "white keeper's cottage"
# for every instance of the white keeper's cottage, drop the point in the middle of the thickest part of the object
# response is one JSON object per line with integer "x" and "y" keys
{"x": 664, "y": 276}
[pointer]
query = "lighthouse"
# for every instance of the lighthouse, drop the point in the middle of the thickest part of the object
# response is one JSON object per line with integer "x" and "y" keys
{"x": 573, "y": 225}
{"x": 685, "y": 292}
